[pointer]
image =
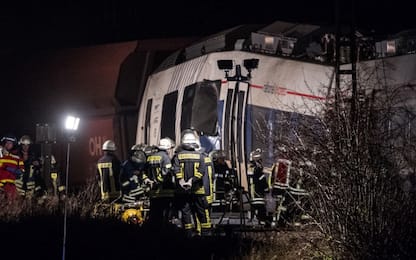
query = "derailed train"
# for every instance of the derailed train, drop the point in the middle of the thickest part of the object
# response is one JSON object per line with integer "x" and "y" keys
{"x": 240, "y": 101}
{"x": 234, "y": 100}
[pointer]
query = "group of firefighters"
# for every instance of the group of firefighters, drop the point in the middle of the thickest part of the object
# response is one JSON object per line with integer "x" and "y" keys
{"x": 179, "y": 182}
{"x": 183, "y": 183}
{"x": 21, "y": 169}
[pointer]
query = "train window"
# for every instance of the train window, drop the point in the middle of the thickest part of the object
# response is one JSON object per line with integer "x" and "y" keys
{"x": 199, "y": 107}
{"x": 167, "y": 126}
{"x": 147, "y": 123}
{"x": 274, "y": 131}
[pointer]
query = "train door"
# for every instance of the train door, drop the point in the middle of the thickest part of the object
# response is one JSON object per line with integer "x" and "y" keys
{"x": 234, "y": 128}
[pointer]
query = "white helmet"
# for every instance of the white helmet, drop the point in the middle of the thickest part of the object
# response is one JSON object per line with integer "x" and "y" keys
{"x": 138, "y": 147}
{"x": 189, "y": 139}
{"x": 166, "y": 144}
{"x": 109, "y": 145}
{"x": 255, "y": 155}
{"x": 25, "y": 139}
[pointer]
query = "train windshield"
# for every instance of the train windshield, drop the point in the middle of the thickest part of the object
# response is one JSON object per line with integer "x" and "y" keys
{"x": 199, "y": 107}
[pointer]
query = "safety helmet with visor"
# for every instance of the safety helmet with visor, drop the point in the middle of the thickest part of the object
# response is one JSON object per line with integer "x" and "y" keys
{"x": 109, "y": 145}
{"x": 137, "y": 153}
{"x": 166, "y": 144}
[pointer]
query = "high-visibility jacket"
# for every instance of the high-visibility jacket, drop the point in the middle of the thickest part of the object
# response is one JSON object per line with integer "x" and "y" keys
{"x": 190, "y": 165}
{"x": 131, "y": 180}
{"x": 259, "y": 182}
{"x": 26, "y": 184}
{"x": 159, "y": 170}
{"x": 11, "y": 168}
{"x": 108, "y": 169}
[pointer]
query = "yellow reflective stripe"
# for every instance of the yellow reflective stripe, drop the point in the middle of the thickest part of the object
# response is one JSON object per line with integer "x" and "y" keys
{"x": 200, "y": 191}
{"x": 9, "y": 161}
{"x": 188, "y": 226}
{"x": 208, "y": 219}
{"x": 186, "y": 156}
{"x": 154, "y": 158}
{"x": 182, "y": 173}
{"x": 54, "y": 175}
{"x": 207, "y": 160}
{"x": 196, "y": 172}
{"x": 105, "y": 165}
{"x": 4, "y": 181}
{"x": 159, "y": 174}
{"x": 209, "y": 199}
{"x": 179, "y": 175}
{"x": 205, "y": 225}
{"x": 61, "y": 188}
{"x": 21, "y": 163}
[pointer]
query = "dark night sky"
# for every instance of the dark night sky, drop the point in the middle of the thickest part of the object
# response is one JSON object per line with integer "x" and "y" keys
{"x": 39, "y": 24}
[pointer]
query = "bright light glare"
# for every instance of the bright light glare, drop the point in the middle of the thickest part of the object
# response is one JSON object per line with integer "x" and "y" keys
{"x": 71, "y": 123}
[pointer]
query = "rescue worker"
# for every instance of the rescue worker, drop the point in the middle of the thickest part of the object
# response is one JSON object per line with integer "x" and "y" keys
{"x": 224, "y": 177}
{"x": 207, "y": 183}
{"x": 26, "y": 183}
{"x": 11, "y": 166}
{"x": 189, "y": 167}
{"x": 160, "y": 177}
{"x": 259, "y": 186}
{"x": 132, "y": 175}
{"x": 108, "y": 171}
{"x": 58, "y": 186}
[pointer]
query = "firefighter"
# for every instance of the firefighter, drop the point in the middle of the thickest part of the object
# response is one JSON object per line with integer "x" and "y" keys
{"x": 26, "y": 184}
{"x": 58, "y": 185}
{"x": 189, "y": 167}
{"x": 259, "y": 186}
{"x": 132, "y": 175}
{"x": 108, "y": 171}
{"x": 11, "y": 166}
{"x": 207, "y": 182}
{"x": 160, "y": 177}
{"x": 224, "y": 177}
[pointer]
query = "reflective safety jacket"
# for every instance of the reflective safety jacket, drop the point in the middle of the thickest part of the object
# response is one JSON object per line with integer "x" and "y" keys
{"x": 259, "y": 182}
{"x": 26, "y": 184}
{"x": 159, "y": 170}
{"x": 108, "y": 170}
{"x": 190, "y": 165}
{"x": 11, "y": 168}
{"x": 131, "y": 180}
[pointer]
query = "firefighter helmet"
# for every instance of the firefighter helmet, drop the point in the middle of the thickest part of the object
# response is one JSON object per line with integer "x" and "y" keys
{"x": 132, "y": 216}
{"x": 255, "y": 155}
{"x": 109, "y": 145}
{"x": 25, "y": 139}
{"x": 148, "y": 150}
{"x": 218, "y": 154}
{"x": 10, "y": 138}
{"x": 189, "y": 139}
{"x": 138, "y": 147}
{"x": 166, "y": 144}
{"x": 137, "y": 153}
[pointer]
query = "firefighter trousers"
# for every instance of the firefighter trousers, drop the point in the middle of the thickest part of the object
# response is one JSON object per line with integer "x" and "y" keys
{"x": 190, "y": 205}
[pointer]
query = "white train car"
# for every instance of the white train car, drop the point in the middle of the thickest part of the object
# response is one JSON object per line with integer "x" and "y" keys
{"x": 237, "y": 115}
